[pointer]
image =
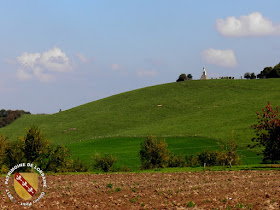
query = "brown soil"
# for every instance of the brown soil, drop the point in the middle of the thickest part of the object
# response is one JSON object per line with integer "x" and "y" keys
{"x": 205, "y": 190}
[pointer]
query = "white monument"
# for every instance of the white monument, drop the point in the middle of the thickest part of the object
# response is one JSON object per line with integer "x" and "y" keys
{"x": 204, "y": 75}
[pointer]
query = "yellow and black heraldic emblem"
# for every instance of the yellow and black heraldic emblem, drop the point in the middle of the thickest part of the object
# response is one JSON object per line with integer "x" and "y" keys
{"x": 26, "y": 184}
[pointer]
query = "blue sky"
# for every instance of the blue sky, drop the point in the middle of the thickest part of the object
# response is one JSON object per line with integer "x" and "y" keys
{"x": 61, "y": 54}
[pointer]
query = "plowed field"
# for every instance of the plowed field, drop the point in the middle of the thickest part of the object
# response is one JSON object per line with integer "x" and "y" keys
{"x": 197, "y": 190}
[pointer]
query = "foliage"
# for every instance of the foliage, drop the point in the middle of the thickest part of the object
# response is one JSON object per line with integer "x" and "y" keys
{"x": 153, "y": 153}
{"x": 57, "y": 159}
{"x": 182, "y": 77}
{"x": 189, "y": 77}
{"x": 270, "y": 72}
{"x": 14, "y": 154}
{"x": 3, "y": 153}
{"x": 210, "y": 158}
{"x": 79, "y": 166}
{"x": 268, "y": 133}
{"x": 228, "y": 155}
{"x": 8, "y": 116}
{"x": 265, "y": 73}
{"x": 253, "y": 76}
{"x": 104, "y": 162}
{"x": 35, "y": 146}
{"x": 176, "y": 161}
{"x": 3, "y": 148}
{"x": 247, "y": 75}
{"x": 226, "y": 77}
{"x": 192, "y": 161}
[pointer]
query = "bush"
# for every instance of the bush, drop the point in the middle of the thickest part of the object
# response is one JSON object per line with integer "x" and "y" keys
{"x": 14, "y": 154}
{"x": 79, "y": 166}
{"x": 153, "y": 153}
{"x": 104, "y": 163}
{"x": 208, "y": 157}
{"x": 228, "y": 155}
{"x": 57, "y": 159}
{"x": 176, "y": 161}
{"x": 192, "y": 161}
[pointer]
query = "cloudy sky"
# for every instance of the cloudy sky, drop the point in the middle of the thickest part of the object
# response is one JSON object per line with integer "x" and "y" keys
{"x": 61, "y": 54}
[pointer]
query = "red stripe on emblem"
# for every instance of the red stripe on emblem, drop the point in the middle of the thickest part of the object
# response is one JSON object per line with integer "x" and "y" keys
{"x": 25, "y": 184}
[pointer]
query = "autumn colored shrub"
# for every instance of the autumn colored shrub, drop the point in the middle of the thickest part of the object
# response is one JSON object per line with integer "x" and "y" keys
{"x": 268, "y": 133}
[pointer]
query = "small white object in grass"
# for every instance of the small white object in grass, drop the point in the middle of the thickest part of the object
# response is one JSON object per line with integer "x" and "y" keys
{"x": 159, "y": 105}
{"x": 230, "y": 198}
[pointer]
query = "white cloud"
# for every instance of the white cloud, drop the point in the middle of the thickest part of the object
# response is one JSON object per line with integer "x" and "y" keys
{"x": 42, "y": 65}
{"x": 28, "y": 59}
{"x": 145, "y": 73}
{"x": 253, "y": 24}
{"x": 55, "y": 60}
{"x": 225, "y": 58}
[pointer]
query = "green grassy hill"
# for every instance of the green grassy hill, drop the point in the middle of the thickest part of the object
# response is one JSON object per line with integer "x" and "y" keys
{"x": 210, "y": 109}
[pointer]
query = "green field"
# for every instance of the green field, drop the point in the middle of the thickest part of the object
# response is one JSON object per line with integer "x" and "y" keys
{"x": 127, "y": 149}
{"x": 197, "y": 112}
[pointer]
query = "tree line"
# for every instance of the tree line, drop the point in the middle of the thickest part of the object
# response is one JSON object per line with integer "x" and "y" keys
{"x": 267, "y": 72}
{"x": 8, "y": 116}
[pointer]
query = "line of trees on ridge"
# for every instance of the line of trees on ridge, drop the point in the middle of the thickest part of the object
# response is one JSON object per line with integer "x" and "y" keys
{"x": 267, "y": 72}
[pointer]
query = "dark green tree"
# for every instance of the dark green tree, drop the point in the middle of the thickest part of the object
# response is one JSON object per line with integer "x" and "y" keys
{"x": 35, "y": 145}
{"x": 189, "y": 77}
{"x": 247, "y": 75}
{"x": 264, "y": 73}
{"x": 253, "y": 76}
{"x": 182, "y": 77}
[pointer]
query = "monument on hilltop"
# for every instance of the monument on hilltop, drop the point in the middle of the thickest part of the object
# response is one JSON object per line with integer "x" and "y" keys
{"x": 204, "y": 75}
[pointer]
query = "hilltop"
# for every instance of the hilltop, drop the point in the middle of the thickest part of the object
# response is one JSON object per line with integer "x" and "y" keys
{"x": 212, "y": 109}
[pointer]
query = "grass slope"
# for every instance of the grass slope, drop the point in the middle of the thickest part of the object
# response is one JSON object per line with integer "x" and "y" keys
{"x": 211, "y": 109}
